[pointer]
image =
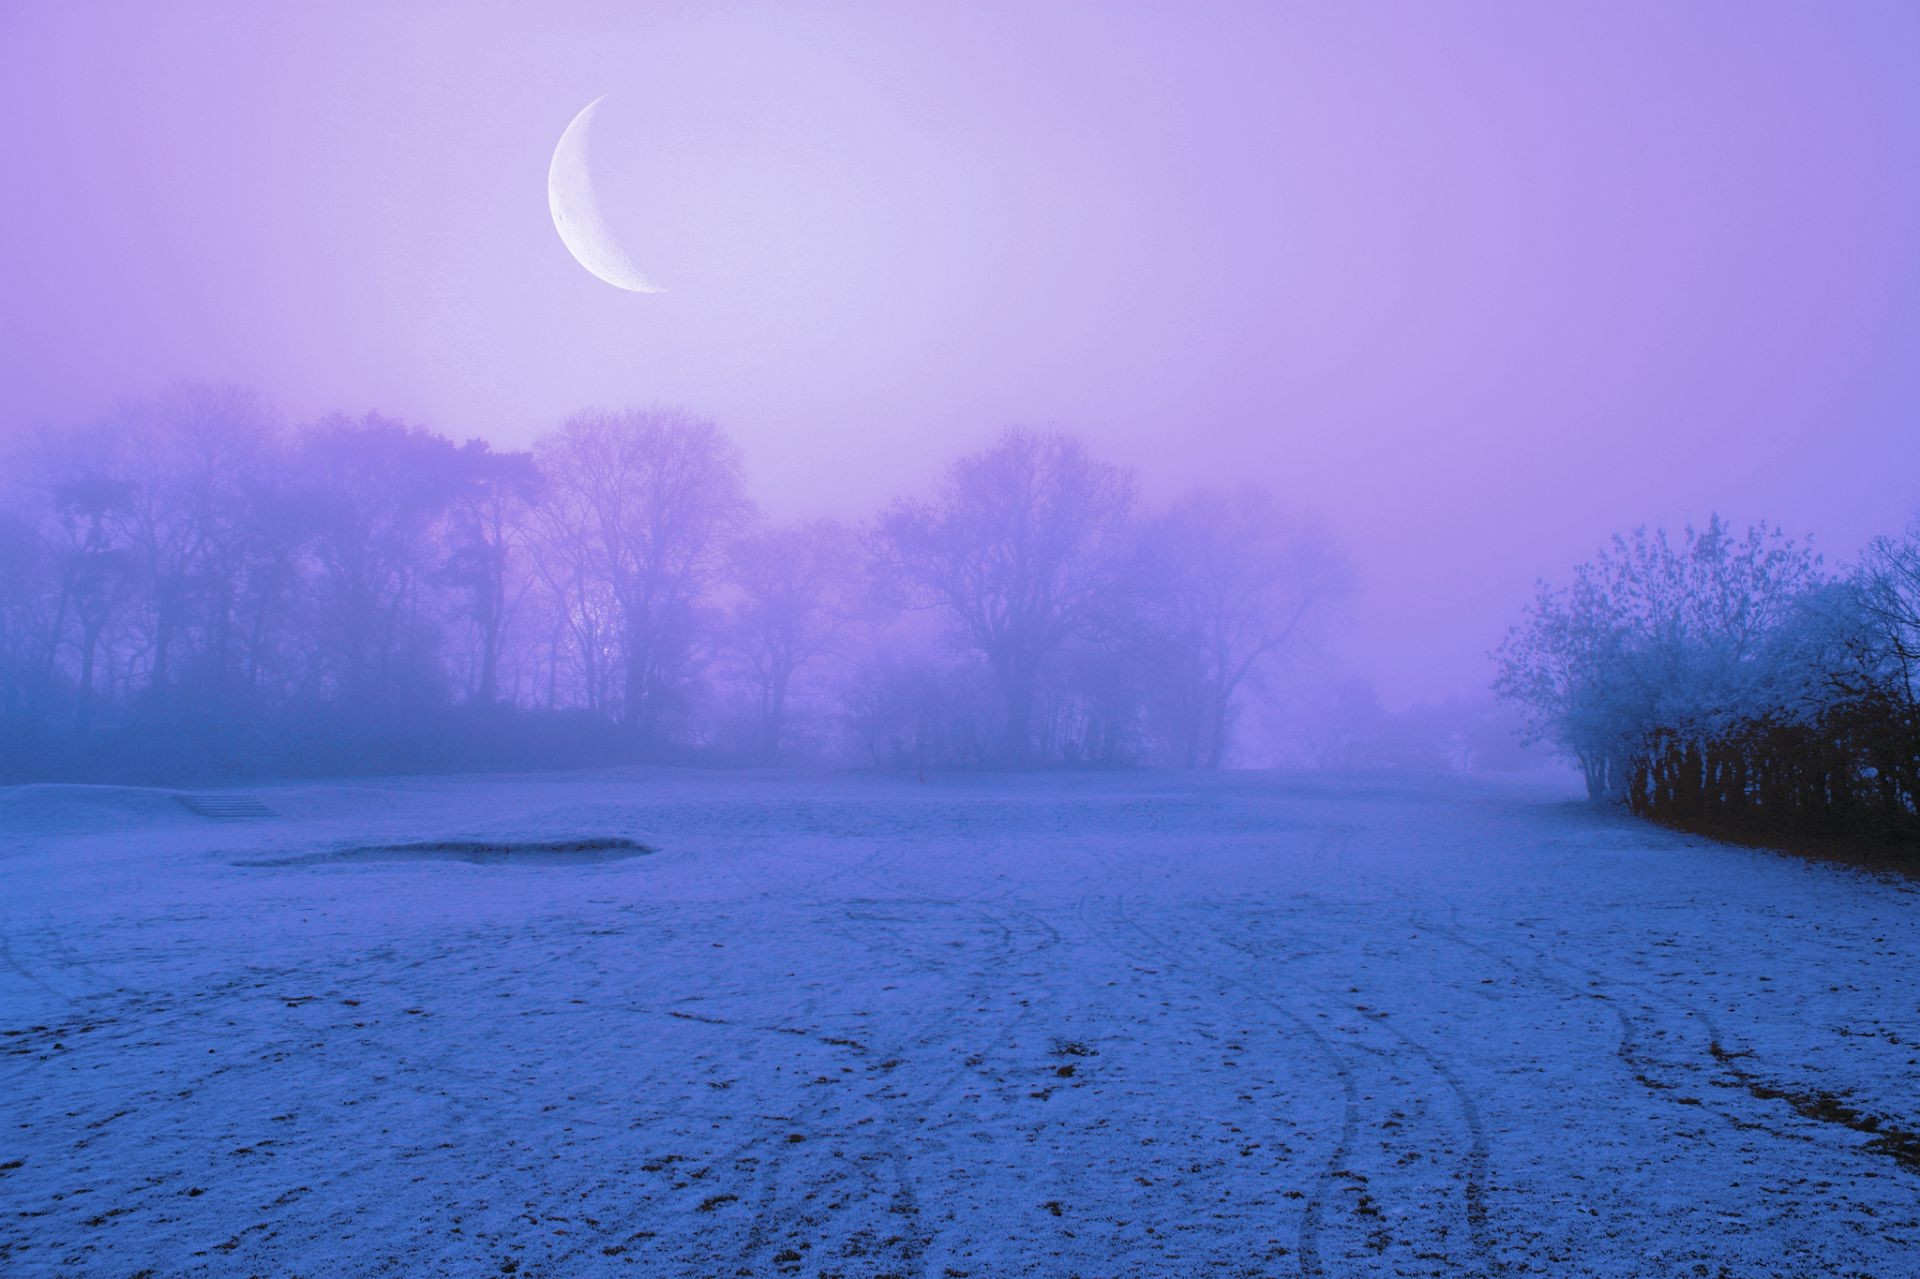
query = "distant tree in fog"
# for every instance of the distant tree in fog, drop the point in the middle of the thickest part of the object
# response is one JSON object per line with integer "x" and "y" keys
{"x": 26, "y": 593}
{"x": 378, "y": 493}
{"x": 654, "y": 497}
{"x": 794, "y": 590}
{"x": 486, "y": 526}
{"x": 1021, "y": 548}
{"x": 581, "y": 618}
{"x": 148, "y": 513}
{"x": 186, "y": 585}
{"x": 196, "y": 457}
{"x": 916, "y": 707}
{"x": 1240, "y": 583}
{"x": 96, "y": 575}
{"x": 1346, "y": 726}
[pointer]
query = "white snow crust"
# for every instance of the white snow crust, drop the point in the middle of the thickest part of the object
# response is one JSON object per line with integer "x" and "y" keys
{"x": 1124, "y": 1025}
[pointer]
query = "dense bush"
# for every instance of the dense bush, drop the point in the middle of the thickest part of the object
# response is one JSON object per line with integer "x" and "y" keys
{"x": 1726, "y": 682}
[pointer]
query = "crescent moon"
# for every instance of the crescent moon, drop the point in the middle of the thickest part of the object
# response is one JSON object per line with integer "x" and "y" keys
{"x": 576, "y": 210}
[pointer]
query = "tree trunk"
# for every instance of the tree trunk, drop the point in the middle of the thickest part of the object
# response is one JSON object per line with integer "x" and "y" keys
{"x": 774, "y": 719}
{"x": 1016, "y": 686}
{"x": 163, "y": 630}
{"x": 634, "y": 702}
{"x": 1216, "y": 729}
{"x": 488, "y": 691}
{"x": 89, "y": 644}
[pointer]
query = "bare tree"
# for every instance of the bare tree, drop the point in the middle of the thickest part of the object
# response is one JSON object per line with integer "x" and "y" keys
{"x": 655, "y": 495}
{"x": 1242, "y": 583}
{"x": 195, "y": 456}
{"x": 1889, "y": 583}
{"x": 582, "y": 617}
{"x": 488, "y": 518}
{"x": 380, "y": 496}
{"x": 27, "y": 592}
{"x": 793, "y": 588}
{"x": 1020, "y": 546}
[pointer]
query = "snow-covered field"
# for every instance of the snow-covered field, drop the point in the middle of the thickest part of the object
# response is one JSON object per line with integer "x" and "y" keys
{"x": 1097, "y": 1026}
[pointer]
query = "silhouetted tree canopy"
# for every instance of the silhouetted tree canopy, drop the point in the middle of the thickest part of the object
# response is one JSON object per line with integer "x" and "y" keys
{"x": 191, "y": 586}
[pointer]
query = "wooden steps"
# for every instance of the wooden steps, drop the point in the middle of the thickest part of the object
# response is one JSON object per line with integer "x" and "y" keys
{"x": 225, "y": 806}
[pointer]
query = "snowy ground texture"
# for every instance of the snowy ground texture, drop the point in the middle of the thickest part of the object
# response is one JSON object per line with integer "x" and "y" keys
{"x": 1096, "y": 1026}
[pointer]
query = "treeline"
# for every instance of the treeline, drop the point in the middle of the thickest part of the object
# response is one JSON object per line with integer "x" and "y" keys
{"x": 1728, "y": 682}
{"x": 189, "y": 587}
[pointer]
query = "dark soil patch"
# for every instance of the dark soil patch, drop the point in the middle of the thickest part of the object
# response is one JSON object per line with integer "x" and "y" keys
{"x": 1886, "y": 1137}
{"x": 1899, "y": 1145}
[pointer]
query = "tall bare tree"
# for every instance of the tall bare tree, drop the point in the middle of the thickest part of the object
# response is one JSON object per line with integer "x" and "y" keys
{"x": 381, "y": 492}
{"x": 1243, "y": 583}
{"x": 794, "y": 592}
{"x": 656, "y": 494}
{"x": 196, "y": 456}
{"x": 1021, "y": 547}
{"x": 487, "y": 526}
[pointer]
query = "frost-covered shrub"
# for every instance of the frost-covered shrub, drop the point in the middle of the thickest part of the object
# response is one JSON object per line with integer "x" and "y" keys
{"x": 1722, "y": 679}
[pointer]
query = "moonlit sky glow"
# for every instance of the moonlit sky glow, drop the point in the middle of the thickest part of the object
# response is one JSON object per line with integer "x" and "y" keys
{"x": 1480, "y": 283}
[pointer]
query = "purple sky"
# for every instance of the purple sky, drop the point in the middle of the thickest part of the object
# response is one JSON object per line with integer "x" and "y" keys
{"x": 1479, "y": 283}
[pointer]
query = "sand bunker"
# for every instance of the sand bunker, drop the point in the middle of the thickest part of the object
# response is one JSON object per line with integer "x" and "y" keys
{"x": 479, "y": 852}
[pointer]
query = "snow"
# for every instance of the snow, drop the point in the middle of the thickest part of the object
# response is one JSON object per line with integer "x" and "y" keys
{"x": 1077, "y": 1025}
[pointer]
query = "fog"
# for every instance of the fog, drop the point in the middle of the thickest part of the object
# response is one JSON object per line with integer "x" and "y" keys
{"x": 1465, "y": 292}
{"x": 1014, "y": 639}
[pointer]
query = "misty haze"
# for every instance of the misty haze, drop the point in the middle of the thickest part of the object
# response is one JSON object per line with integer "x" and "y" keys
{"x": 959, "y": 640}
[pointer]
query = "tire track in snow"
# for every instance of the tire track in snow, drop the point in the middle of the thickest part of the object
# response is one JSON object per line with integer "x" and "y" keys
{"x": 888, "y": 945}
{"x": 771, "y": 1205}
{"x": 1478, "y": 1161}
{"x": 1636, "y": 1028}
{"x": 1307, "y": 1238}
{"x": 1891, "y": 1137}
{"x": 747, "y": 1041}
{"x": 986, "y": 981}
